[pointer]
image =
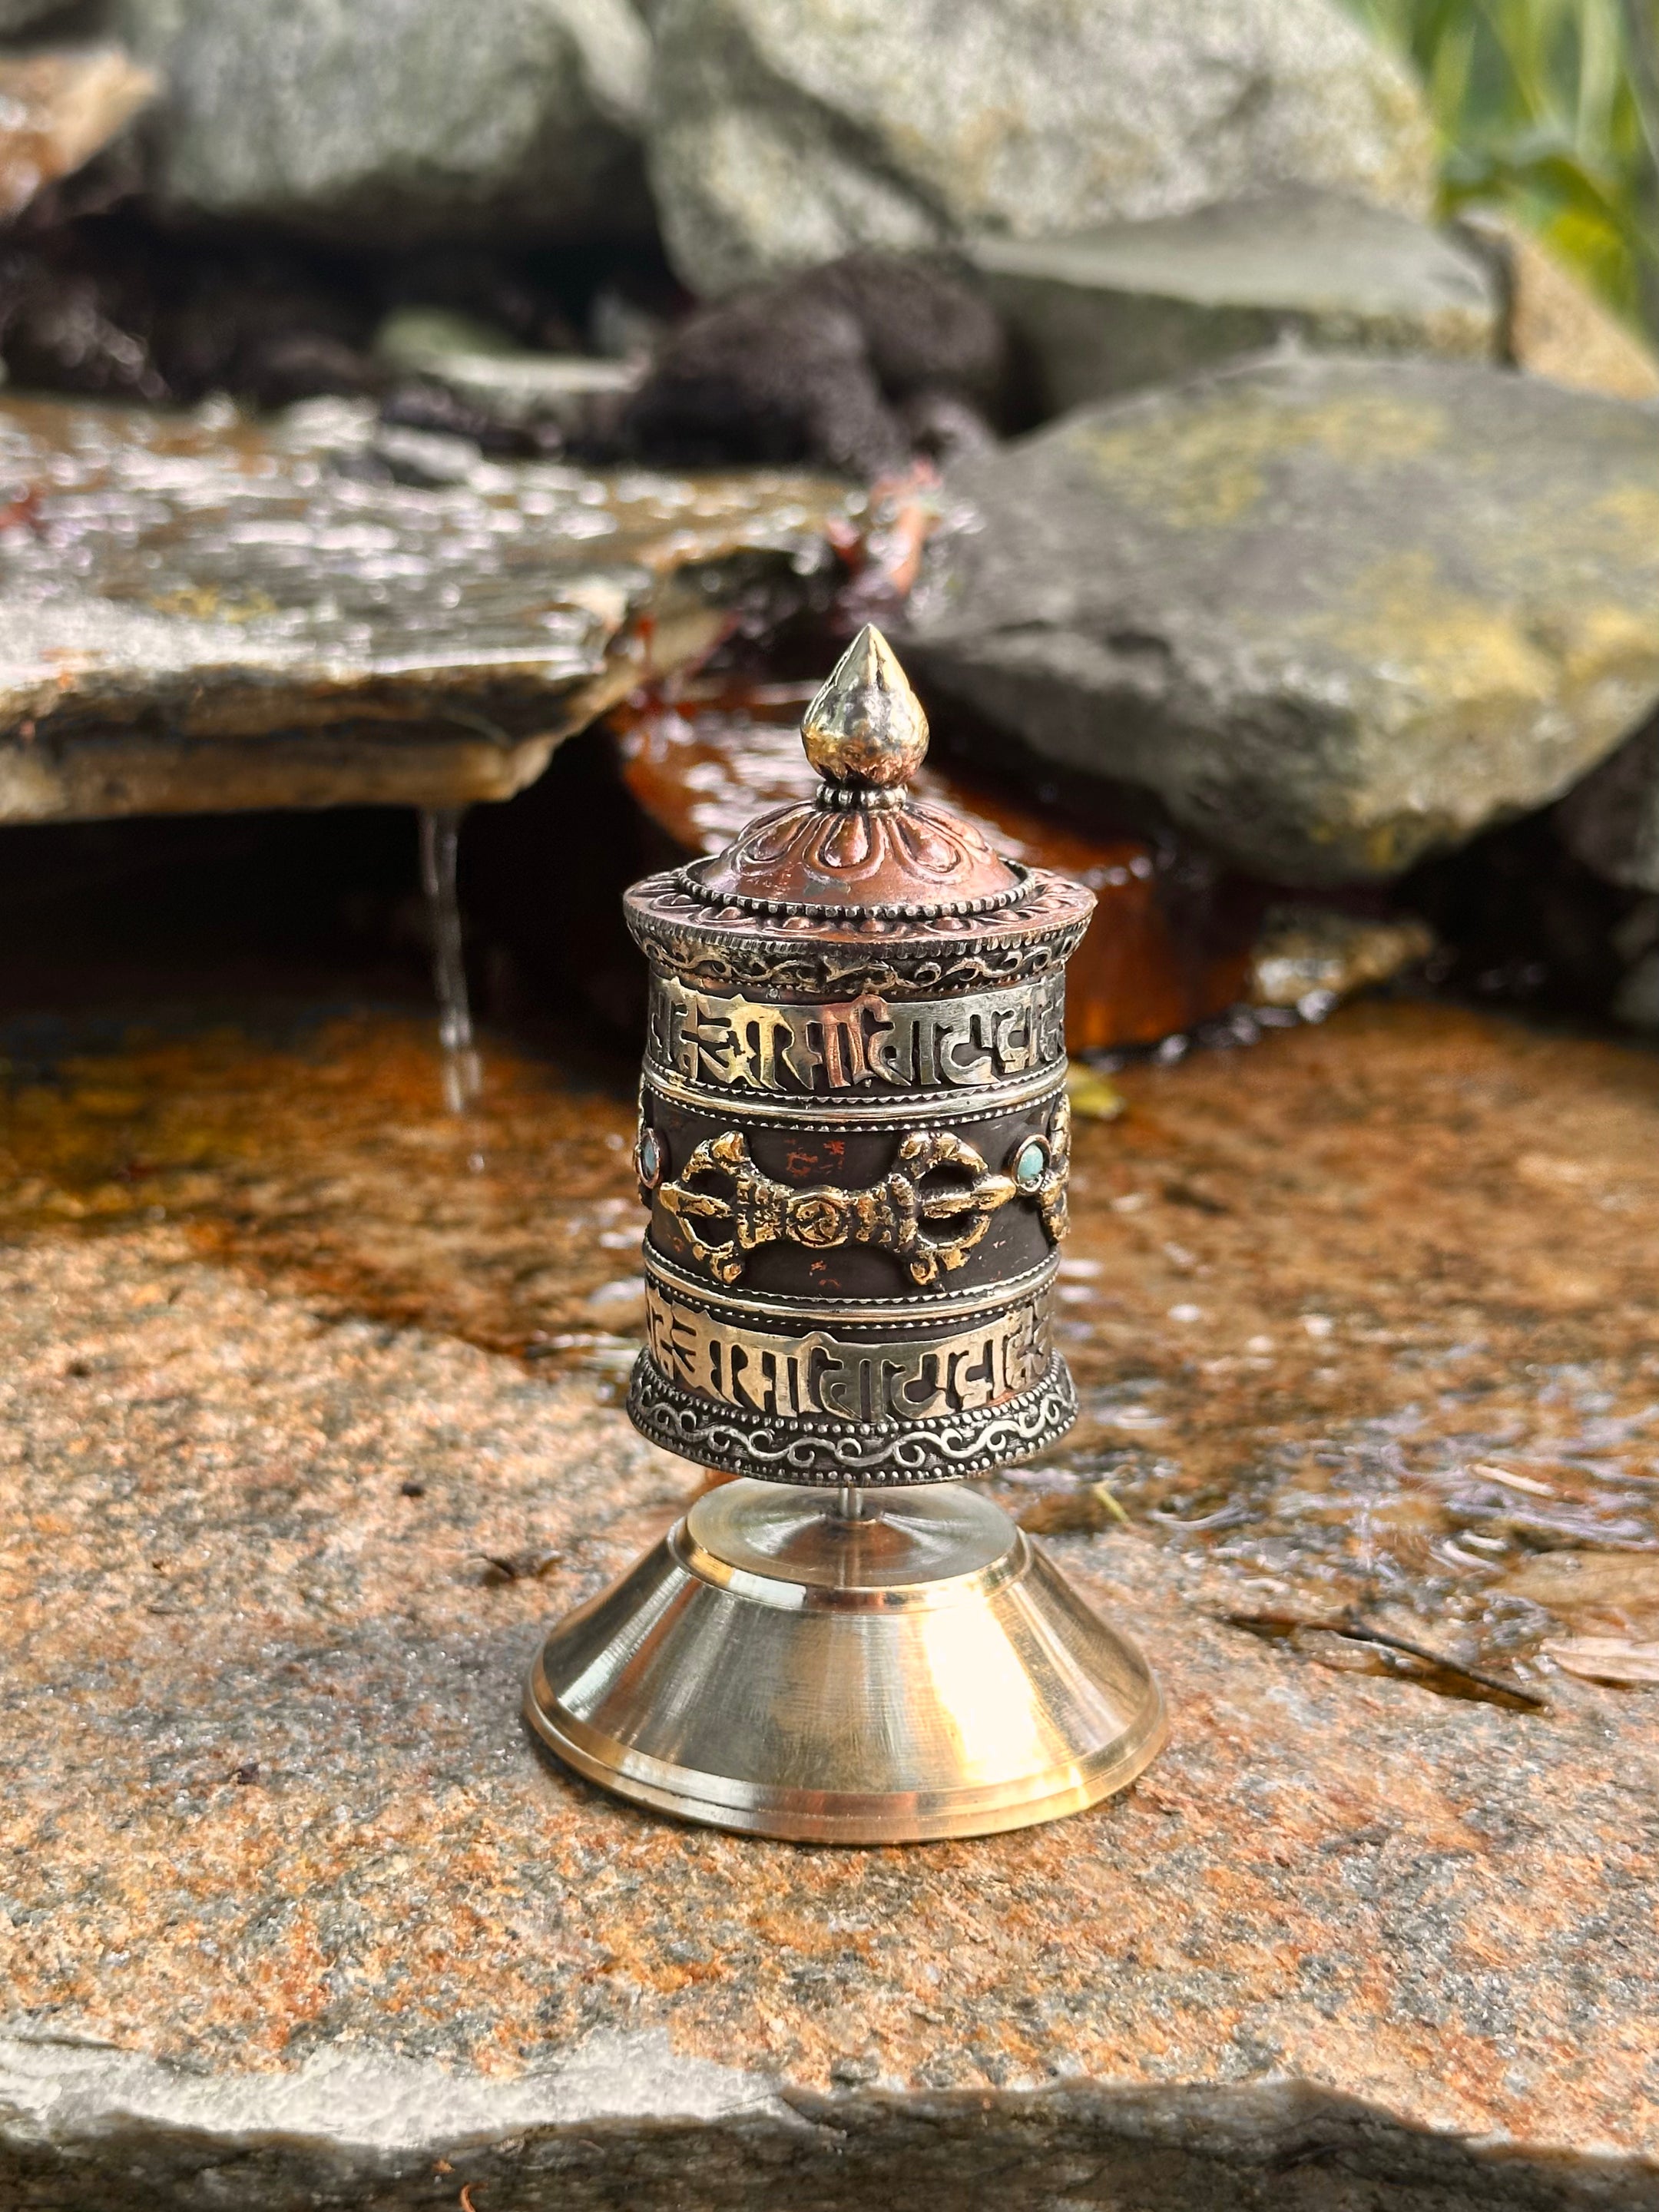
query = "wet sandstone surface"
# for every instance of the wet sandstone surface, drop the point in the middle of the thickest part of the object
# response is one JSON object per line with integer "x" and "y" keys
{"x": 310, "y": 1428}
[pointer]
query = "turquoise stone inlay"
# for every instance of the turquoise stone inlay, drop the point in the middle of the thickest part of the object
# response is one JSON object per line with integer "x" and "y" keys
{"x": 1033, "y": 1161}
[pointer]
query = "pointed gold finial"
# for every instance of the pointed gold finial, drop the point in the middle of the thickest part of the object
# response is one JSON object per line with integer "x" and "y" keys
{"x": 866, "y": 725}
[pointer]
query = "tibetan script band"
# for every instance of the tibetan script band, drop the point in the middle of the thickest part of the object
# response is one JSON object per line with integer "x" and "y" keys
{"x": 854, "y": 1380}
{"x": 927, "y": 1044}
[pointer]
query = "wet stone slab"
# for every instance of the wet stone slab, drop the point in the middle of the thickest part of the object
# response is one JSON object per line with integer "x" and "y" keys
{"x": 291, "y": 1913}
{"x": 200, "y": 614}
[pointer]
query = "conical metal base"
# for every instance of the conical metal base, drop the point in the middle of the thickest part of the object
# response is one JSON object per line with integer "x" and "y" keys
{"x": 922, "y": 1673}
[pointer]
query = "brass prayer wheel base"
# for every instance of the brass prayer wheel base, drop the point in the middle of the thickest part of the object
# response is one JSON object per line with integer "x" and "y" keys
{"x": 921, "y": 1673}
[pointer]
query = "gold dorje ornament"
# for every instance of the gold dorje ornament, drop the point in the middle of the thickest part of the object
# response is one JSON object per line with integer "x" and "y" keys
{"x": 854, "y": 1143}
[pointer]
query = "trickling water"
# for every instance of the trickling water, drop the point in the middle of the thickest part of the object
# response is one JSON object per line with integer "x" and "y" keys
{"x": 440, "y": 837}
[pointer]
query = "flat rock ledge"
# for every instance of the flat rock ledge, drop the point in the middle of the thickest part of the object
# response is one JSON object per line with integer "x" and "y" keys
{"x": 199, "y": 614}
{"x": 1132, "y": 304}
{"x": 291, "y": 1914}
{"x": 627, "y": 2121}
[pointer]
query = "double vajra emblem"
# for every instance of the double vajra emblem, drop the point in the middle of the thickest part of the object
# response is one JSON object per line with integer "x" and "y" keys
{"x": 931, "y": 1211}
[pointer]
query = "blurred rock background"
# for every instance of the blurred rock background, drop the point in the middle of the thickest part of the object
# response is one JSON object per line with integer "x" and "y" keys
{"x": 1245, "y": 419}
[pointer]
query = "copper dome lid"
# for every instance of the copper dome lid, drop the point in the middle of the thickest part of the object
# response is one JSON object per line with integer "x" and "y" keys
{"x": 863, "y": 842}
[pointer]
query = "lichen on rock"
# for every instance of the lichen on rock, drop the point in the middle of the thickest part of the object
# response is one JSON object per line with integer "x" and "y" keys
{"x": 1333, "y": 613}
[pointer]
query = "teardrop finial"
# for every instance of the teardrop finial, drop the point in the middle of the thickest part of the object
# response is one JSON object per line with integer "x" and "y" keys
{"x": 866, "y": 725}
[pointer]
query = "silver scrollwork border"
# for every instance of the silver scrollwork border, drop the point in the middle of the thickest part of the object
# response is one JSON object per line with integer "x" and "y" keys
{"x": 946, "y": 1449}
{"x": 687, "y": 936}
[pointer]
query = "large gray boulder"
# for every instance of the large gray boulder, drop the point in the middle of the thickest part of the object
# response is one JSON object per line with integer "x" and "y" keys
{"x": 401, "y": 117}
{"x": 1333, "y": 613}
{"x": 785, "y": 132}
{"x": 1127, "y": 304}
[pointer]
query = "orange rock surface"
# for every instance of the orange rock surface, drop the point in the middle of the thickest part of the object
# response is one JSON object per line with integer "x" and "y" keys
{"x": 284, "y": 1518}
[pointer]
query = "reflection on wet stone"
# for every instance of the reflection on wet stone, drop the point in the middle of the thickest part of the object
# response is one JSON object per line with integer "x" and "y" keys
{"x": 202, "y": 614}
{"x": 1355, "y": 1417}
